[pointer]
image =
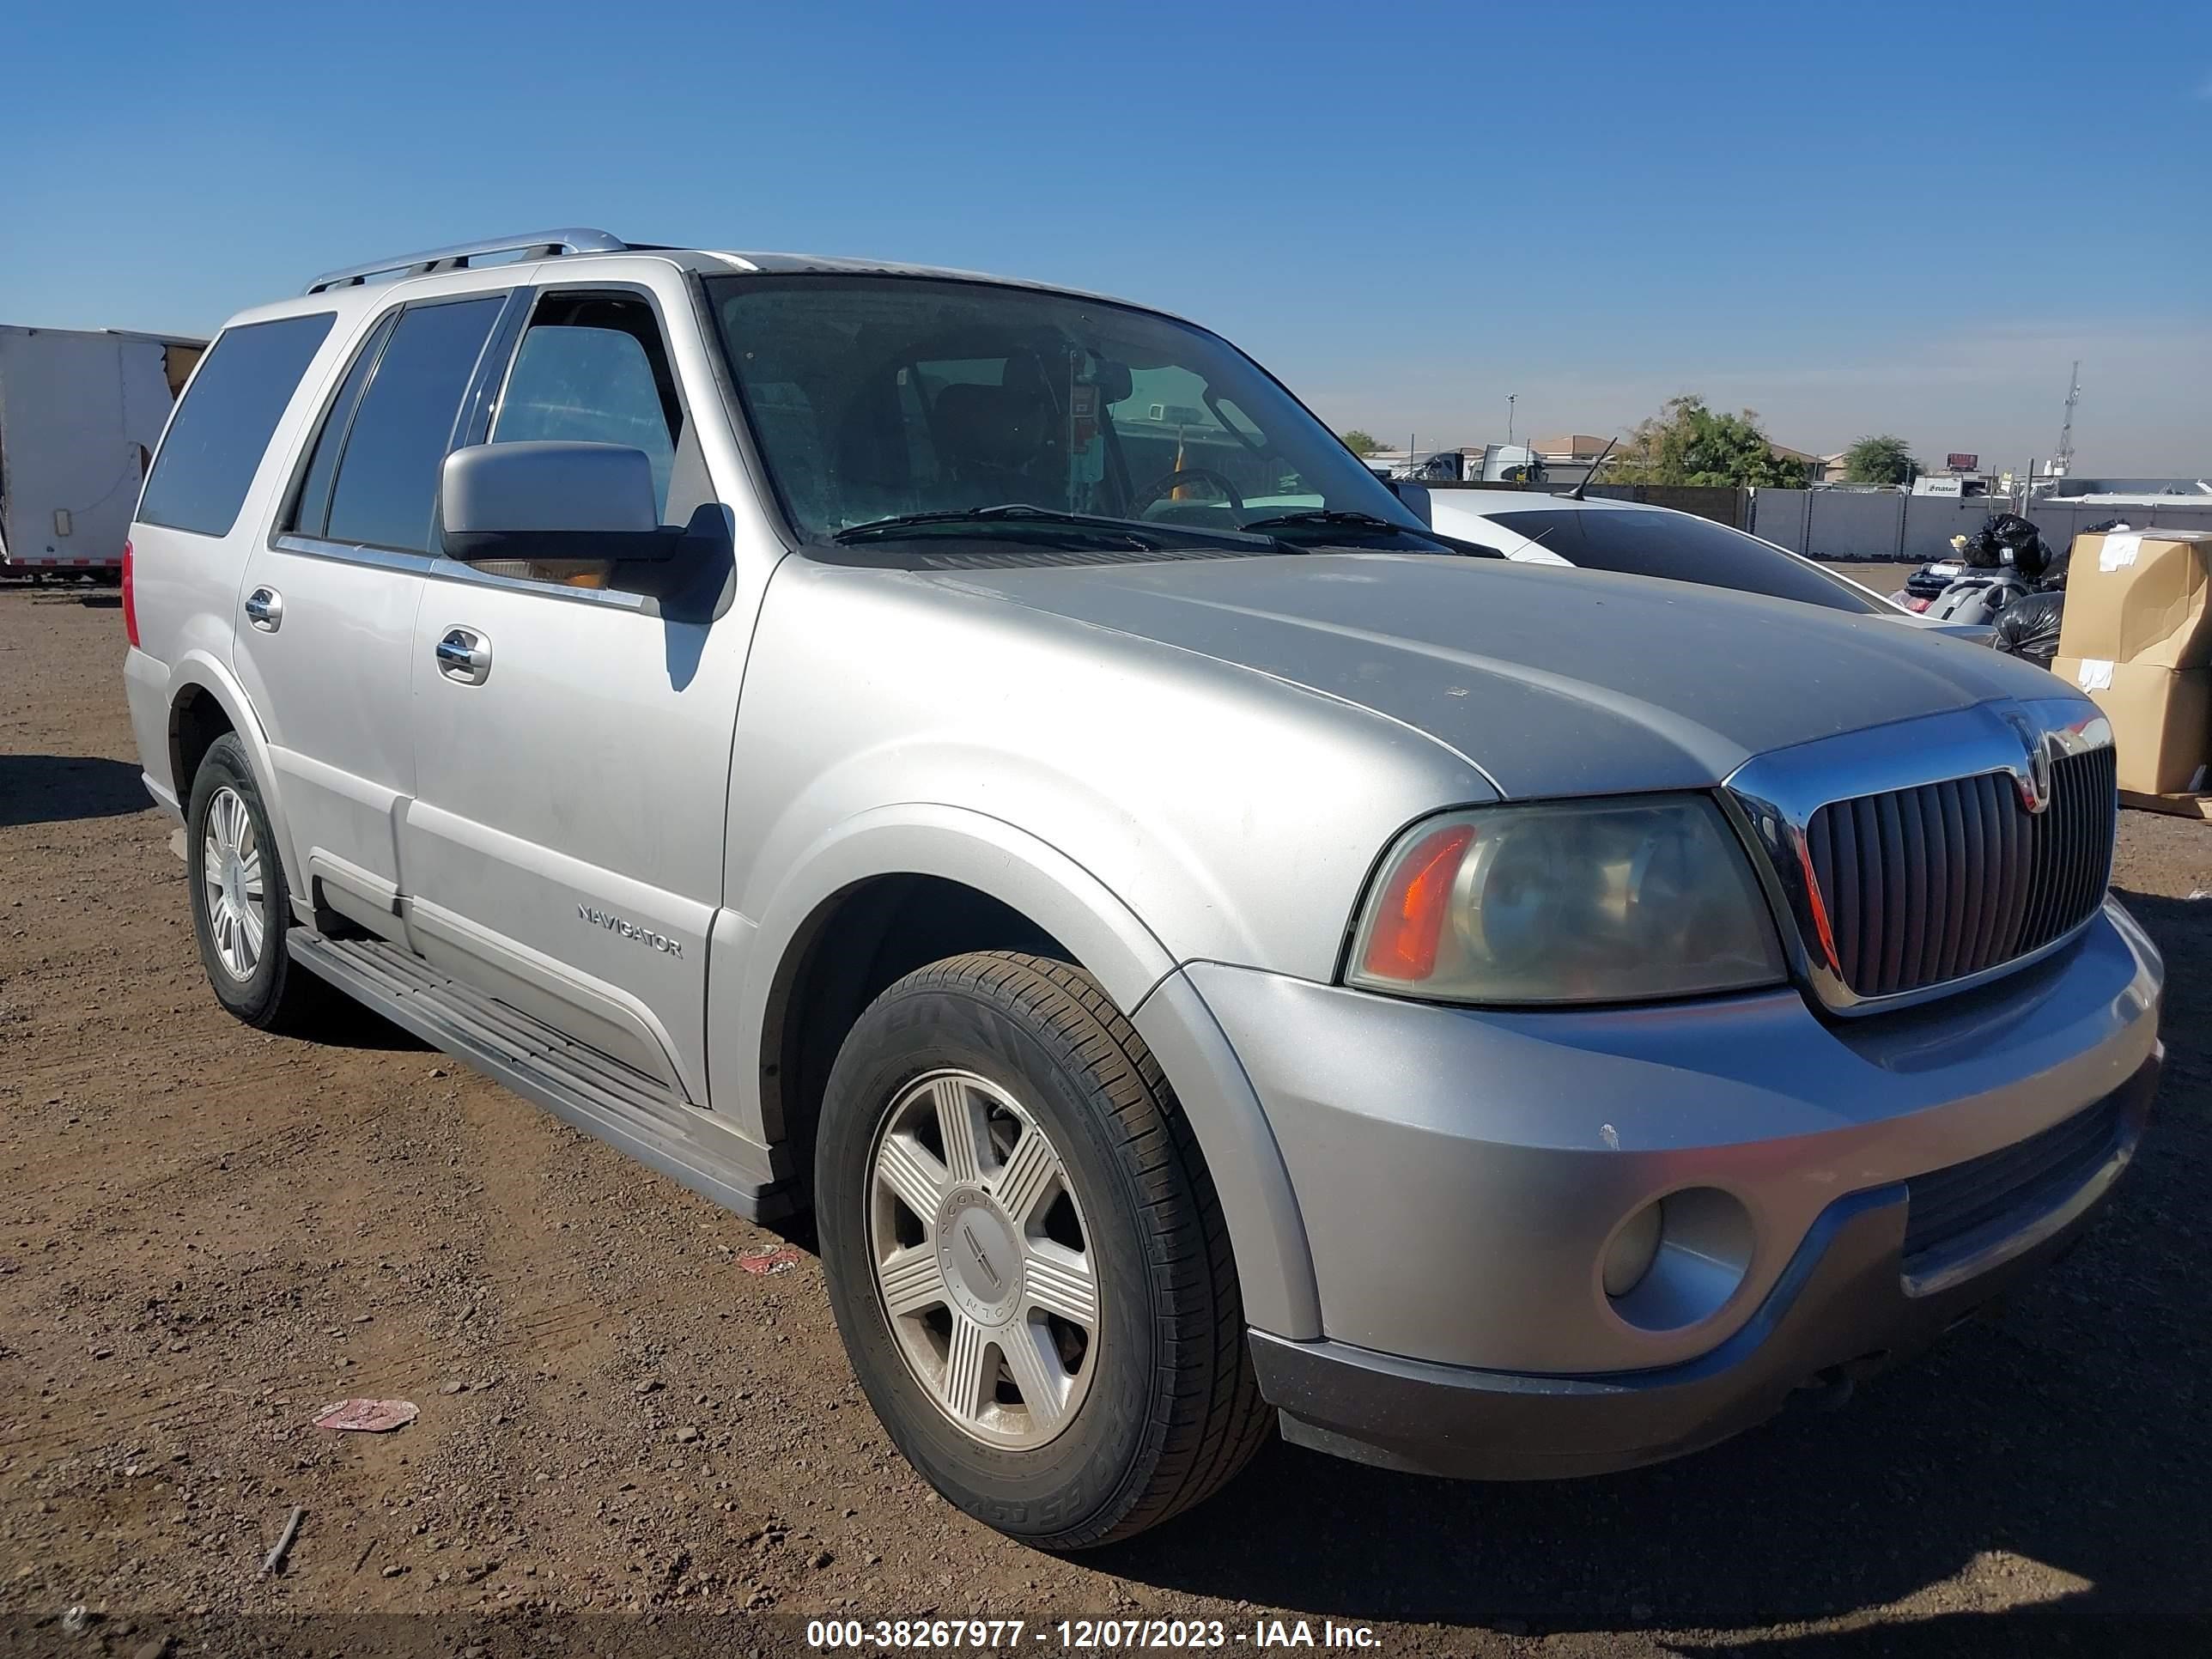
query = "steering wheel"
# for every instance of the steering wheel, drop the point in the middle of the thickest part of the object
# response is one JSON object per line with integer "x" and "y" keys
{"x": 1168, "y": 481}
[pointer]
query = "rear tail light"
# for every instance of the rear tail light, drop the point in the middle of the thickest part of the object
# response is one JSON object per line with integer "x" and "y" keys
{"x": 130, "y": 601}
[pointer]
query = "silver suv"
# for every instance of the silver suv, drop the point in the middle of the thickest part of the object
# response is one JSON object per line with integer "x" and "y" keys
{"x": 984, "y": 763}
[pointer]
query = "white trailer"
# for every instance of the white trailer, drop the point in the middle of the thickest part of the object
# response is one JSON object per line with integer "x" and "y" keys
{"x": 80, "y": 415}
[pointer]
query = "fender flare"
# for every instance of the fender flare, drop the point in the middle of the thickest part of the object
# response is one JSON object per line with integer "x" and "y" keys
{"x": 1112, "y": 943}
{"x": 197, "y": 671}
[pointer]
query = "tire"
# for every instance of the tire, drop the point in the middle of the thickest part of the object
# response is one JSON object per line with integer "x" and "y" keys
{"x": 1146, "y": 1411}
{"x": 226, "y": 812}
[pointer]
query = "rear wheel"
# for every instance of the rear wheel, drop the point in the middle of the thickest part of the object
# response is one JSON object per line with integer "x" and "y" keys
{"x": 241, "y": 908}
{"x": 1026, "y": 1258}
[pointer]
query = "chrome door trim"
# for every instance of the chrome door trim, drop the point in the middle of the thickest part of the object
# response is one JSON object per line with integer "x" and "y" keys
{"x": 451, "y": 570}
{"x": 376, "y": 558}
{"x": 1773, "y": 798}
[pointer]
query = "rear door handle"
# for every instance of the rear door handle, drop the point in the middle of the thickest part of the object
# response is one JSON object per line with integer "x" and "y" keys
{"x": 464, "y": 656}
{"x": 265, "y": 609}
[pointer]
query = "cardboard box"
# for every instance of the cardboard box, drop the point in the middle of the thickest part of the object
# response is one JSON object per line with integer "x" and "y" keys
{"x": 2162, "y": 720}
{"x": 2142, "y": 596}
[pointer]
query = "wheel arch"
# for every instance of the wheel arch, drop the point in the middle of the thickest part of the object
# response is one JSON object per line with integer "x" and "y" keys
{"x": 898, "y": 883}
{"x": 204, "y": 701}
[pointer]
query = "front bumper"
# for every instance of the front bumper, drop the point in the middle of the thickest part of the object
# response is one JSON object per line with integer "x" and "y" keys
{"x": 1844, "y": 1308}
{"x": 1460, "y": 1175}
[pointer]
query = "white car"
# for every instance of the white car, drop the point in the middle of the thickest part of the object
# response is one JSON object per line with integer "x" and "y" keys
{"x": 1641, "y": 540}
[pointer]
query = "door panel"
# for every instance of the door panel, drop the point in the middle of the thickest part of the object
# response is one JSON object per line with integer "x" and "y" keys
{"x": 331, "y": 686}
{"x": 564, "y": 848}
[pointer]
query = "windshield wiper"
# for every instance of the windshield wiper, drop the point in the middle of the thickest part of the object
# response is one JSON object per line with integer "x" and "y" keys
{"x": 1331, "y": 515}
{"x": 1009, "y": 513}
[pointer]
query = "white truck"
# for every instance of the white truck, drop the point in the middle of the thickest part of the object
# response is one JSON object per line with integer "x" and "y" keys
{"x": 1477, "y": 464}
{"x": 80, "y": 412}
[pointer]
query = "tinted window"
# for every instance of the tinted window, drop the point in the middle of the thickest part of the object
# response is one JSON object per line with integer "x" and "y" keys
{"x": 314, "y": 503}
{"x": 217, "y": 438}
{"x": 1683, "y": 549}
{"x": 387, "y": 493}
{"x": 602, "y": 378}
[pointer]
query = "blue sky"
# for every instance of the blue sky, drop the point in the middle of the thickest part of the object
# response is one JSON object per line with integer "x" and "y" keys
{"x": 1889, "y": 215}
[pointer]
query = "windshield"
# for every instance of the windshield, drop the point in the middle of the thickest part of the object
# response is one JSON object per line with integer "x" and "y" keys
{"x": 1679, "y": 546}
{"x": 876, "y": 397}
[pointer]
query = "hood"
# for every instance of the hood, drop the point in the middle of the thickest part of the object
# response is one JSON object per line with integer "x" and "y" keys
{"x": 1550, "y": 681}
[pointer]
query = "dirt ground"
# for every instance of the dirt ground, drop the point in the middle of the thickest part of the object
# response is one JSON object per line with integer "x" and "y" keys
{"x": 206, "y": 1234}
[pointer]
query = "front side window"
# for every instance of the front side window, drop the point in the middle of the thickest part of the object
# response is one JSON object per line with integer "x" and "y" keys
{"x": 1683, "y": 548}
{"x": 591, "y": 369}
{"x": 215, "y": 439}
{"x": 386, "y": 490}
{"x": 874, "y": 398}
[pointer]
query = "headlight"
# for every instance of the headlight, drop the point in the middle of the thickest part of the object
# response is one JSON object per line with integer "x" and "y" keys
{"x": 1600, "y": 901}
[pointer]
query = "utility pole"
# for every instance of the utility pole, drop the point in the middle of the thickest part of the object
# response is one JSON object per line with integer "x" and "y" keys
{"x": 2063, "y": 462}
{"x": 1511, "y": 397}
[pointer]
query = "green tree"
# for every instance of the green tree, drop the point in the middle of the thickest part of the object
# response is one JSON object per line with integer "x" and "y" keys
{"x": 1361, "y": 444}
{"x": 1884, "y": 459}
{"x": 1687, "y": 443}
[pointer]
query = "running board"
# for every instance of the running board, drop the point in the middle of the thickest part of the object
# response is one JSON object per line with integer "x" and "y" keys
{"x": 630, "y": 1111}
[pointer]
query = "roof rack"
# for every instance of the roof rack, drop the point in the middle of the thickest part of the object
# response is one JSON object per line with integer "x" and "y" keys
{"x": 537, "y": 244}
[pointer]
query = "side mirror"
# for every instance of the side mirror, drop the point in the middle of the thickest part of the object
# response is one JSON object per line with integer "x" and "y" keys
{"x": 547, "y": 502}
{"x": 1415, "y": 497}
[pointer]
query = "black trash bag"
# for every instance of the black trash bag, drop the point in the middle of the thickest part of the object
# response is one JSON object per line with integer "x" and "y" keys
{"x": 2028, "y": 627}
{"x": 1983, "y": 551}
{"x": 2006, "y": 539}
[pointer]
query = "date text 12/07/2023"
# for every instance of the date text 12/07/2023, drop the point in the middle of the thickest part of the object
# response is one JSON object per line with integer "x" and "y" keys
{"x": 1083, "y": 1635}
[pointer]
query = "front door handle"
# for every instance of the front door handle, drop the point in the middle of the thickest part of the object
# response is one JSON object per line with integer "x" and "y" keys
{"x": 265, "y": 609}
{"x": 464, "y": 656}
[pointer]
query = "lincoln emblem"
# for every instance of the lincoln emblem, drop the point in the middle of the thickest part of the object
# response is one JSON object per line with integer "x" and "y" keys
{"x": 981, "y": 1261}
{"x": 2035, "y": 781}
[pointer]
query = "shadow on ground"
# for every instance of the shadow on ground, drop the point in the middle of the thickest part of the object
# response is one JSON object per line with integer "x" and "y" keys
{"x": 349, "y": 1025}
{"x": 2074, "y": 1428}
{"x": 58, "y": 788}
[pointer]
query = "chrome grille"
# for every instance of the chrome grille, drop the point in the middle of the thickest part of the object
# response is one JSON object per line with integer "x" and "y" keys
{"x": 1927, "y": 885}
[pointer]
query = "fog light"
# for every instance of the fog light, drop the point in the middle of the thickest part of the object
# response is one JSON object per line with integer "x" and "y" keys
{"x": 1629, "y": 1257}
{"x": 1679, "y": 1260}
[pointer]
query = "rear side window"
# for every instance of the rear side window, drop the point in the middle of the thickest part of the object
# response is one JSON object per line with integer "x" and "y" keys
{"x": 1683, "y": 548}
{"x": 216, "y": 437}
{"x": 386, "y": 493}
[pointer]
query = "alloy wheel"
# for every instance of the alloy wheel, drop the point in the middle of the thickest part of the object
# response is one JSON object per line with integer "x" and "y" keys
{"x": 230, "y": 869}
{"x": 982, "y": 1259}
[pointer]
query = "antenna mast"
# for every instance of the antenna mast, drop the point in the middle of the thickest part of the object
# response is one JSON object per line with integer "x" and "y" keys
{"x": 2063, "y": 462}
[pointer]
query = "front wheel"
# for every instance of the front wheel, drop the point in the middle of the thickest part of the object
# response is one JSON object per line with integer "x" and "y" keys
{"x": 1025, "y": 1256}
